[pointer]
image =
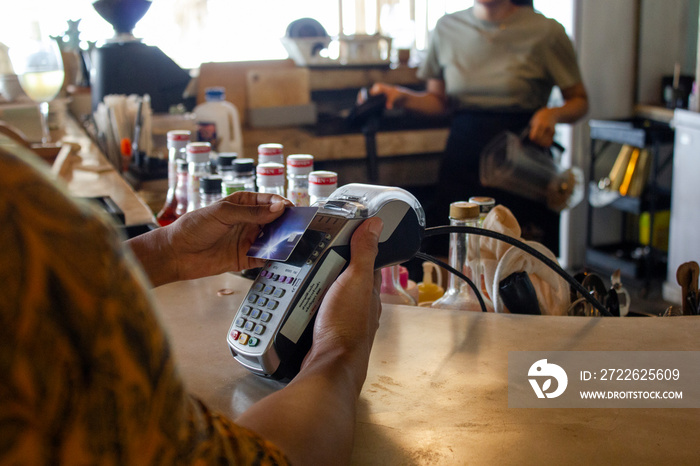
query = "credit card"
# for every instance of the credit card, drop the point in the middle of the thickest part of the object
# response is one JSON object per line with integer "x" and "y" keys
{"x": 278, "y": 239}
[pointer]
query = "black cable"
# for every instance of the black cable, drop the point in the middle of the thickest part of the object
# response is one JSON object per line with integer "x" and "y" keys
{"x": 449, "y": 268}
{"x": 432, "y": 231}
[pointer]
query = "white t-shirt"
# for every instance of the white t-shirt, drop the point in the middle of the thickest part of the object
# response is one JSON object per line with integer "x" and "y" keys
{"x": 509, "y": 65}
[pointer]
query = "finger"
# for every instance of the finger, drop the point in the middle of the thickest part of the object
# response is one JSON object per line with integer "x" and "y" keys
{"x": 377, "y": 88}
{"x": 534, "y": 133}
{"x": 376, "y": 291}
{"x": 543, "y": 139}
{"x": 364, "y": 246}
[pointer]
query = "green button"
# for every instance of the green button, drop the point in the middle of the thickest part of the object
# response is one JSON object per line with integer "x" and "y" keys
{"x": 253, "y": 341}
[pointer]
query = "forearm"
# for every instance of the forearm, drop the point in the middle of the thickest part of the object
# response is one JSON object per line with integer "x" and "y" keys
{"x": 153, "y": 252}
{"x": 575, "y": 104}
{"x": 422, "y": 102}
{"x": 572, "y": 110}
{"x": 543, "y": 122}
{"x": 318, "y": 406}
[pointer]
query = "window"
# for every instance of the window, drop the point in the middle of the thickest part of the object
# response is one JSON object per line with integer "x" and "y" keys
{"x": 196, "y": 31}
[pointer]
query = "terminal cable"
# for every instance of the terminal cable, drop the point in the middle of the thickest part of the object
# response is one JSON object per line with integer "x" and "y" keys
{"x": 446, "y": 229}
{"x": 449, "y": 268}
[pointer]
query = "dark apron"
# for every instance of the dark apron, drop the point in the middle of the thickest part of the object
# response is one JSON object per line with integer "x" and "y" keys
{"x": 470, "y": 132}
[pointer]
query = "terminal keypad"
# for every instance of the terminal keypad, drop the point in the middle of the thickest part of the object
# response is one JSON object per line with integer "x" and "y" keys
{"x": 268, "y": 294}
{"x": 264, "y": 307}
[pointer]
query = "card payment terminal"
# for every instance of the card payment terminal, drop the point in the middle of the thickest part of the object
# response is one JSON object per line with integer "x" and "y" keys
{"x": 271, "y": 332}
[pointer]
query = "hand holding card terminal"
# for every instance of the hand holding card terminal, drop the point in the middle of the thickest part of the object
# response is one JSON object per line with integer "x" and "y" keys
{"x": 272, "y": 330}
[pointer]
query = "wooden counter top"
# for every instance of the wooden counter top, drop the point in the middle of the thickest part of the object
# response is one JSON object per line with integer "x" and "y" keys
{"x": 437, "y": 386}
{"x": 96, "y": 177}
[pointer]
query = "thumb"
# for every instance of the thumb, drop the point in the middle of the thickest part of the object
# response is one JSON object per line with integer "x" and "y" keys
{"x": 364, "y": 244}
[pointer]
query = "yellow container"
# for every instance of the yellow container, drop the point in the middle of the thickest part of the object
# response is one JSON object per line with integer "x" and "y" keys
{"x": 429, "y": 291}
{"x": 660, "y": 236}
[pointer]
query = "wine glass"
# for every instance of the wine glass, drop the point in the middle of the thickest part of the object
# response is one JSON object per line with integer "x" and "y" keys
{"x": 39, "y": 68}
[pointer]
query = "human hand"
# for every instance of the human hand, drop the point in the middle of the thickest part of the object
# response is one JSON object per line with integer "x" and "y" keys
{"x": 394, "y": 95}
{"x": 542, "y": 127}
{"x": 349, "y": 314}
{"x": 214, "y": 239}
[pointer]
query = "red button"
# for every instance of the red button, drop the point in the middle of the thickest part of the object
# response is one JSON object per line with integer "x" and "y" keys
{"x": 235, "y": 335}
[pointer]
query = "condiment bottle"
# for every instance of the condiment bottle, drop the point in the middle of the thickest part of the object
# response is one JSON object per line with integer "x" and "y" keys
{"x": 181, "y": 188}
{"x": 486, "y": 204}
{"x": 198, "y": 160}
{"x": 209, "y": 189}
{"x": 459, "y": 294}
{"x": 177, "y": 150}
{"x": 244, "y": 170}
{"x": 224, "y": 165}
{"x": 321, "y": 185}
{"x": 271, "y": 152}
{"x": 407, "y": 284}
{"x": 229, "y": 187}
{"x": 298, "y": 168}
{"x": 270, "y": 178}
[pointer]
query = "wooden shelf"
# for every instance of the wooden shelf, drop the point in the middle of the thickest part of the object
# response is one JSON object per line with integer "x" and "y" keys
{"x": 356, "y": 77}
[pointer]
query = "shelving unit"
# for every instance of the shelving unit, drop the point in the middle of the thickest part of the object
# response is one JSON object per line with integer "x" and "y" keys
{"x": 644, "y": 134}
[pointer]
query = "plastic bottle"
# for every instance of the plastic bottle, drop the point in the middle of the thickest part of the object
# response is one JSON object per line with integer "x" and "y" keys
{"x": 321, "y": 185}
{"x": 270, "y": 178}
{"x": 209, "y": 189}
{"x": 181, "y": 187}
{"x": 298, "y": 168}
{"x": 428, "y": 291}
{"x": 224, "y": 165}
{"x": 177, "y": 150}
{"x": 244, "y": 170}
{"x": 218, "y": 122}
{"x": 391, "y": 291}
{"x": 271, "y": 153}
{"x": 459, "y": 294}
{"x": 198, "y": 166}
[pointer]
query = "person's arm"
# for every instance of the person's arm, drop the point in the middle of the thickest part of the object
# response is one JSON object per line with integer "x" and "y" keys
{"x": 432, "y": 101}
{"x": 208, "y": 241}
{"x": 543, "y": 121}
{"x": 312, "y": 419}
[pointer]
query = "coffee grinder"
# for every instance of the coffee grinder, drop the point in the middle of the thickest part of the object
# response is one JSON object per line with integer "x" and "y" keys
{"x": 125, "y": 65}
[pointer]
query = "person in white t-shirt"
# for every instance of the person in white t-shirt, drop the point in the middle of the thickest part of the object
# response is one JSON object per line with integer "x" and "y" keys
{"x": 493, "y": 66}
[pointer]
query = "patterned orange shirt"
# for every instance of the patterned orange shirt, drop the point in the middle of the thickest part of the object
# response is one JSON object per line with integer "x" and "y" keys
{"x": 86, "y": 372}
